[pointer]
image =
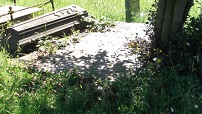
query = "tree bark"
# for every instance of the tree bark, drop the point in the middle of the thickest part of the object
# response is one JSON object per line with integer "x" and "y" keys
{"x": 171, "y": 15}
{"x": 166, "y": 26}
{"x": 159, "y": 19}
{"x": 180, "y": 13}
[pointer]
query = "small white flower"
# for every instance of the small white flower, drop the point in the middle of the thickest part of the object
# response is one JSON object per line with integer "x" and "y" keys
{"x": 154, "y": 59}
{"x": 100, "y": 88}
{"x": 142, "y": 14}
{"x": 172, "y": 110}
{"x": 196, "y": 106}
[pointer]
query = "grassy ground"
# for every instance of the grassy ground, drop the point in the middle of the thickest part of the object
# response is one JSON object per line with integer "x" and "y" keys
{"x": 27, "y": 91}
{"x": 114, "y": 9}
{"x": 145, "y": 92}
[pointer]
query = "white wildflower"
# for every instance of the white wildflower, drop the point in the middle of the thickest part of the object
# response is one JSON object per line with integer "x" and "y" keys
{"x": 196, "y": 106}
{"x": 154, "y": 59}
{"x": 172, "y": 110}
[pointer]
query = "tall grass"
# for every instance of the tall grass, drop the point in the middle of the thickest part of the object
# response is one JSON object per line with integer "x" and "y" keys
{"x": 25, "y": 91}
{"x": 97, "y": 8}
{"x": 29, "y": 92}
{"x": 114, "y": 9}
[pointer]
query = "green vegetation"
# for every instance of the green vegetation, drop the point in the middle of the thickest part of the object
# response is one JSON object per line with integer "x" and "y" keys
{"x": 114, "y": 9}
{"x": 26, "y": 91}
{"x": 98, "y": 8}
{"x": 149, "y": 90}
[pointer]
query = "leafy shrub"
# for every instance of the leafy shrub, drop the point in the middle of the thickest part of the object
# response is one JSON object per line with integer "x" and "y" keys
{"x": 184, "y": 54}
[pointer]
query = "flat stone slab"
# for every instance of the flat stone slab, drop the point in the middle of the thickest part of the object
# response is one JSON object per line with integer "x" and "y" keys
{"x": 4, "y": 10}
{"x": 100, "y": 54}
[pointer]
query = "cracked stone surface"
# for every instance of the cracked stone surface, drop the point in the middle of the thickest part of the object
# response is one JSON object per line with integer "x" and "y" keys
{"x": 100, "y": 54}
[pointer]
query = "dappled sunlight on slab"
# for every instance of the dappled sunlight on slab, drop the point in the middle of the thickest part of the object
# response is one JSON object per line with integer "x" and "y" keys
{"x": 99, "y": 54}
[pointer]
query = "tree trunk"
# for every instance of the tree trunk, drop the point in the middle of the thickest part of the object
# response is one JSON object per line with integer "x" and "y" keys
{"x": 132, "y": 8}
{"x": 171, "y": 15}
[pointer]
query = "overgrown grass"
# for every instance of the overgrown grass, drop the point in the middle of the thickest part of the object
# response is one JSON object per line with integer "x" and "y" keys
{"x": 29, "y": 92}
{"x": 25, "y": 91}
{"x": 114, "y": 9}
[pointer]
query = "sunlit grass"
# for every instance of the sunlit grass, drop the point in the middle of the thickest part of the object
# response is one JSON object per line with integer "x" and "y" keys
{"x": 97, "y": 8}
{"x": 114, "y": 9}
{"x": 196, "y": 9}
{"x": 29, "y": 92}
